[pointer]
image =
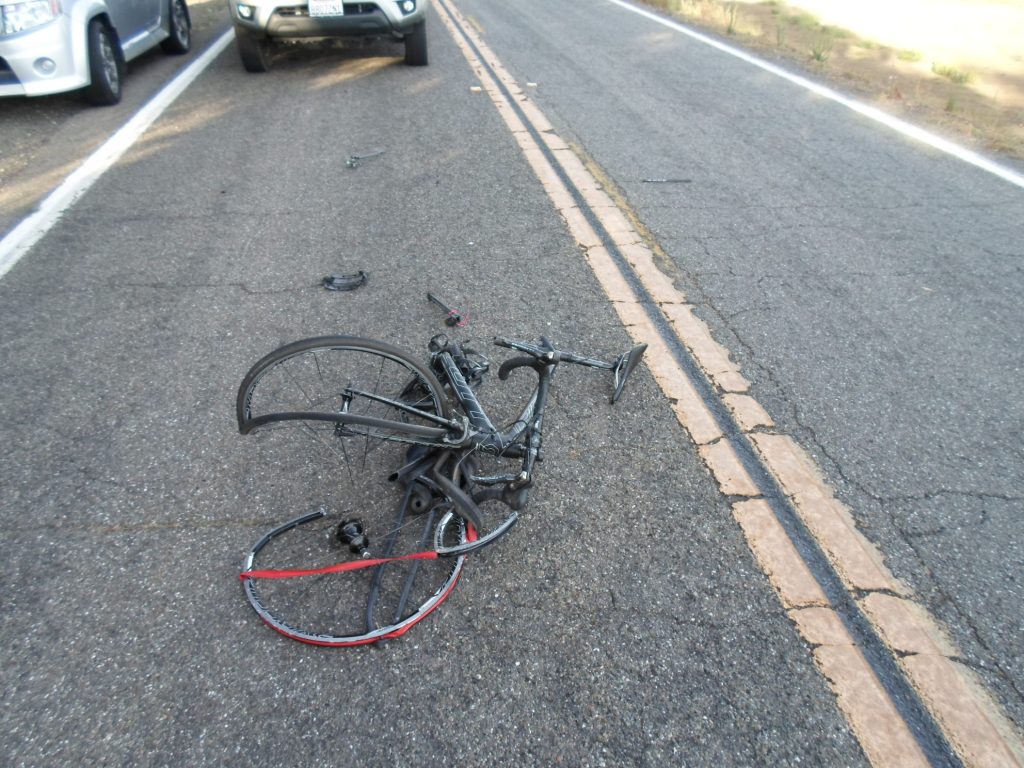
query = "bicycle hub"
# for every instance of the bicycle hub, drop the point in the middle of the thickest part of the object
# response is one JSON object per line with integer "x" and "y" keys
{"x": 350, "y": 532}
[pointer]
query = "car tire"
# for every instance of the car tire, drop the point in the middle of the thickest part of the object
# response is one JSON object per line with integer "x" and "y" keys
{"x": 106, "y": 66}
{"x": 180, "y": 40}
{"x": 416, "y": 45}
{"x": 254, "y": 51}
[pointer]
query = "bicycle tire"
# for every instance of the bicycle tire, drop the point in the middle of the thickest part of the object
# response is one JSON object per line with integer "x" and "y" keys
{"x": 291, "y": 401}
{"x": 307, "y": 391}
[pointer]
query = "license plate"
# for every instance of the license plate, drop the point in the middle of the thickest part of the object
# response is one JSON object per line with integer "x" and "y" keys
{"x": 326, "y": 8}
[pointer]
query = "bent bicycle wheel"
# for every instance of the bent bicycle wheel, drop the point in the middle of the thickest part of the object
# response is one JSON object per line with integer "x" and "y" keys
{"x": 344, "y": 384}
{"x": 338, "y": 600}
{"x": 347, "y": 427}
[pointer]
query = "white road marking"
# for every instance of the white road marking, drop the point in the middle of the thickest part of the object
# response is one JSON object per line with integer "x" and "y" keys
{"x": 20, "y": 240}
{"x": 900, "y": 126}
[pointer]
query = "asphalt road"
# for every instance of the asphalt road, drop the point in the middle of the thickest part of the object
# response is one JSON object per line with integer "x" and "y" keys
{"x": 45, "y": 139}
{"x": 866, "y": 286}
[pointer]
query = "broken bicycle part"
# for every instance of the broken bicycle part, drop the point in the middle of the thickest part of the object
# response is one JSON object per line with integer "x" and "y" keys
{"x": 539, "y": 356}
{"x": 350, "y": 533}
{"x": 427, "y": 483}
{"x": 624, "y": 366}
{"x": 369, "y": 599}
{"x": 471, "y": 363}
{"x": 454, "y": 318}
{"x": 345, "y": 282}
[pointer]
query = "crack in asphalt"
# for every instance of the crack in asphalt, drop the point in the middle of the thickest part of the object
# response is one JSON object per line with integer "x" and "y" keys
{"x": 1005, "y": 676}
{"x": 700, "y": 298}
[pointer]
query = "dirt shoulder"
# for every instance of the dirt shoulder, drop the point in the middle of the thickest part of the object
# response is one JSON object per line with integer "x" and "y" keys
{"x": 954, "y": 65}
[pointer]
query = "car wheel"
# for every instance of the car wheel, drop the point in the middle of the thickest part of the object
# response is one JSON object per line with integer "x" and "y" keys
{"x": 106, "y": 66}
{"x": 255, "y": 51}
{"x": 181, "y": 29}
{"x": 416, "y": 45}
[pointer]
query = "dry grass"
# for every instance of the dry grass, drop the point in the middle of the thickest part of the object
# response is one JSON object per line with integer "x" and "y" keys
{"x": 981, "y": 109}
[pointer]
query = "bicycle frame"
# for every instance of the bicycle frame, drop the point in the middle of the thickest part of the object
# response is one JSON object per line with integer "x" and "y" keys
{"x": 486, "y": 437}
{"x": 444, "y": 465}
{"x": 478, "y": 434}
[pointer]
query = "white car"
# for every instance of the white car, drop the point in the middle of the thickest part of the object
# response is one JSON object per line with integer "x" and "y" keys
{"x": 52, "y": 46}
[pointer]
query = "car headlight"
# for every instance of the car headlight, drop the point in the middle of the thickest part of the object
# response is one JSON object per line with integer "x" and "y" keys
{"x": 18, "y": 17}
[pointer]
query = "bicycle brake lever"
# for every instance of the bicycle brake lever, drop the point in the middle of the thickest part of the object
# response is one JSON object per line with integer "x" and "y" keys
{"x": 624, "y": 366}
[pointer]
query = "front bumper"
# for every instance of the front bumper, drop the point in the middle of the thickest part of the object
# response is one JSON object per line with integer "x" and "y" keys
{"x": 42, "y": 60}
{"x": 381, "y": 19}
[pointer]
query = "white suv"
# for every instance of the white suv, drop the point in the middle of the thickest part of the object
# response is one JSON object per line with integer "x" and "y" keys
{"x": 258, "y": 23}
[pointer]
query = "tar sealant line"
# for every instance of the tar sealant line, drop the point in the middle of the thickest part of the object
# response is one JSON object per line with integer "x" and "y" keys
{"x": 542, "y": 153}
{"x": 900, "y": 126}
{"x": 28, "y": 232}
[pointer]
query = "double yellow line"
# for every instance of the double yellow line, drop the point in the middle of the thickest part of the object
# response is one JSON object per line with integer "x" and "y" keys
{"x": 869, "y": 637}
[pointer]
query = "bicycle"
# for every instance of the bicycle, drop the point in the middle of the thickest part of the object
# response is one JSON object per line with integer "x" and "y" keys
{"x": 413, "y": 501}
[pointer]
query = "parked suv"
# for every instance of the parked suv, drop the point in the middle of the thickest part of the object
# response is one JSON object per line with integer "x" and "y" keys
{"x": 51, "y": 46}
{"x": 259, "y": 23}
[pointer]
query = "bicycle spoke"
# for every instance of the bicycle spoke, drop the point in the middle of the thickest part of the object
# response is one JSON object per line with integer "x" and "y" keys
{"x": 376, "y": 391}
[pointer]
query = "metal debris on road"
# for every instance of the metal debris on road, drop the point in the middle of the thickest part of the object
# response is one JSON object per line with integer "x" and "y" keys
{"x": 455, "y": 318}
{"x": 353, "y": 160}
{"x": 345, "y": 282}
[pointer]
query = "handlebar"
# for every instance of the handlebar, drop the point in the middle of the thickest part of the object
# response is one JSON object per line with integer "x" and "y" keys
{"x": 522, "y": 346}
{"x": 545, "y": 354}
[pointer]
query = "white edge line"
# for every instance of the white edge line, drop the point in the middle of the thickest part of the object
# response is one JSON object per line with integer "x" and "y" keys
{"x": 900, "y": 126}
{"x": 20, "y": 239}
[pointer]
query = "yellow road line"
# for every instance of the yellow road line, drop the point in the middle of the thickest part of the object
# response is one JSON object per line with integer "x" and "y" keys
{"x": 965, "y": 711}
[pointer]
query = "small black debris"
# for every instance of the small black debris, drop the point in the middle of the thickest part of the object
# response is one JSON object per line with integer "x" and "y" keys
{"x": 345, "y": 282}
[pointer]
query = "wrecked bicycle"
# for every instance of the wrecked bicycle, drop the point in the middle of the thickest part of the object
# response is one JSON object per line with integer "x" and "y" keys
{"x": 419, "y": 478}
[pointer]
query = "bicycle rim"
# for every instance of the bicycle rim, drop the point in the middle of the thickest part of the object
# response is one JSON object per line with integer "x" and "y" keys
{"x": 315, "y": 383}
{"x": 379, "y": 602}
{"x": 352, "y": 474}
